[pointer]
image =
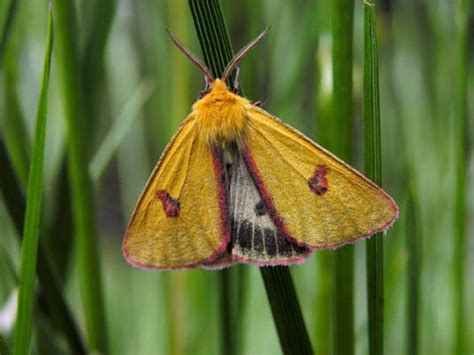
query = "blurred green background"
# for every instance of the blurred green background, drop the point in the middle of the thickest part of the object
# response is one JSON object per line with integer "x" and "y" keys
{"x": 138, "y": 83}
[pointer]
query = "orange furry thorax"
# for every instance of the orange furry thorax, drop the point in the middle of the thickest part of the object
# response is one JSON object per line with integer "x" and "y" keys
{"x": 221, "y": 115}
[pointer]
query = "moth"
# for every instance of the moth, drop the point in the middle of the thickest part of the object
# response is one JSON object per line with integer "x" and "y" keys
{"x": 238, "y": 185}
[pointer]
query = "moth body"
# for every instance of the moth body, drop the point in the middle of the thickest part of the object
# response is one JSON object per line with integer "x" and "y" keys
{"x": 221, "y": 116}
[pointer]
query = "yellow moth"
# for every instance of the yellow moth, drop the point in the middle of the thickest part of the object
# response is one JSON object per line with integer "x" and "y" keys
{"x": 237, "y": 185}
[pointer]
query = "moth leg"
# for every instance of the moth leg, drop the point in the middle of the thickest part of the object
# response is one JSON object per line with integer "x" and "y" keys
{"x": 236, "y": 81}
{"x": 206, "y": 89}
{"x": 259, "y": 103}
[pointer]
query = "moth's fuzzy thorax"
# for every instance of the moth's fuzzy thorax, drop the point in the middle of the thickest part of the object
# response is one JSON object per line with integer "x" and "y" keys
{"x": 221, "y": 116}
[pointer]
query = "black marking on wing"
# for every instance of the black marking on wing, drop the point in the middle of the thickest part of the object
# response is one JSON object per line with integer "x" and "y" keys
{"x": 270, "y": 242}
{"x": 253, "y": 242}
{"x": 255, "y": 235}
{"x": 260, "y": 208}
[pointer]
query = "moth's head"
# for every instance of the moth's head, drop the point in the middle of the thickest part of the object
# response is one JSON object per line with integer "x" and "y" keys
{"x": 218, "y": 98}
{"x": 218, "y": 84}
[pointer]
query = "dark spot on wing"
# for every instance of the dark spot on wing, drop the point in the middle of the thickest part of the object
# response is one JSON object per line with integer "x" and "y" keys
{"x": 318, "y": 183}
{"x": 270, "y": 243}
{"x": 254, "y": 241}
{"x": 170, "y": 205}
{"x": 258, "y": 240}
{"x": 284, "y": 246}
{"x": 260, "y": 209}
{"x": 242, "y": 234}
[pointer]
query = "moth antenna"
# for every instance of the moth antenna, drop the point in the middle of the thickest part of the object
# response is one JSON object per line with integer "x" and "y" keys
{"x": 240, "y": 54}
{"x": 191, "y": 56}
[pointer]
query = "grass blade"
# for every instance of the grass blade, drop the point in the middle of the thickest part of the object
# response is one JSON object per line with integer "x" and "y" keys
{"x": 461, "y": 129}
{"x": 81, "y": 185}
{"x": 29, "y": 247}
{"x": 323, "y": 302}
{"x": 53, "y": 304}
{"x": 97, "y": 17}
{"x": 286, "y": 311}
{"x": 373, "y": 170}
{"x": 11, "y": 14}
{"x": 229, "y": 340}
{"x": 119, "y": 130}
{"x": 14, "y": 129}
{"x": 11, "y": 189}
{"x": 414, "y": 262}
{"x": 4, "y": 349}
{"x": 49, "y": 297}
{"x": 58, "y": 241}
{"x": 341, "y": 133}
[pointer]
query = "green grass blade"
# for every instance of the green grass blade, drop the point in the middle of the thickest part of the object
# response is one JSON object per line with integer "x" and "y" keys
{"x": 342, "y": 32}
{"x": 96, "y": 21}
{"x": 6, "y": 30}
{"x": 233, "y": 285}
{"x": 229, "y": 340}
{"x": 294, "y": 339}
{"x": 49, "y": 298}
{"x": 461, "y": 129}
{"x": 373, "y": 170}
{"x": 11, "y": 189}
{"x": 4, "y": 349}
{"x": 7, "y": 260}
{"x": 14, "y": 129}
{"x": 15, "y": 133}
{"x": 341, "y": 141}
{"x": 81, "y": 185}
{"x": 54, "y": 306}
{"x": 323, "y": 302}
{"x": 413, "y": 243}
{"x": 119, "y": 129}
{"x": 58, "y": 232}
{"x": 175, "y": 293}
{"x": 29, "y": 247}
